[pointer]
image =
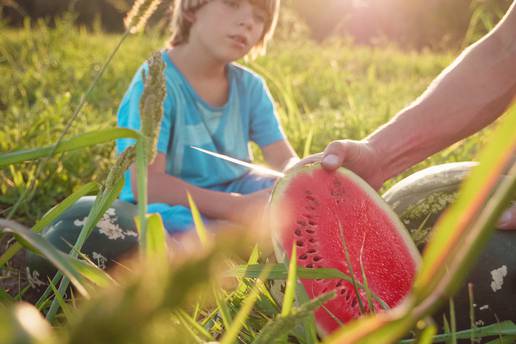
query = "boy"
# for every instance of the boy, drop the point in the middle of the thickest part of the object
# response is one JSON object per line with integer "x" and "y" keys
{"x": 214, "y": 104}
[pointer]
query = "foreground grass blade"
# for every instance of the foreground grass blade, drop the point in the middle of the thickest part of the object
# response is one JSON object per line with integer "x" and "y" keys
{"x": 49, "y": 218}
{"x": 222, "y": 307}
{"x": 426, "y": 336}
{"x": 103, "y": 201}
{"x": 62, "y": 303}
{"x": 91, "y": 272}
{"x": 232, "y": 333}
{"x": 76, "y": 142}
{"x": 277, "y": 328}
{"x": 50, "y": 252}
{"x": 23, "y": 323}
{"x": 504, "y": 328}
{"x": 455, "y": 226}
{"x": 307, "y": 328}
{"x": 194, "y": 326}
{"x": 278, "y": 271}
{"x": 5, "y": 298}
{"x": 290, "y": 290}
{"x": 199, "y": 224}
{"x": 354, "y": 281}
{"x": 156, "y": 243}
{"x": 151, "y": 292}
{"x": 380, "y": 328}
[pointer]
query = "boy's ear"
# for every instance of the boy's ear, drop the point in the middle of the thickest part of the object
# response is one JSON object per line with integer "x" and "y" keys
{"x": 189, "y": 15}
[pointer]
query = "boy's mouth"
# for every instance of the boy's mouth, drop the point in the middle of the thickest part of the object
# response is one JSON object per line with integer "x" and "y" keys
{"x": 239, "y": 39}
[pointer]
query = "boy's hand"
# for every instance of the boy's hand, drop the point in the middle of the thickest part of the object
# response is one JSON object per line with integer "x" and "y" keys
{"x": 251, "y": 207}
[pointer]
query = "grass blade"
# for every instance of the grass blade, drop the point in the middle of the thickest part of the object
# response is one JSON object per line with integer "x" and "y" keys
{"x": 22, "y": 323}
{"x": 50, "y": 252}
{"x": 308, "y": 142}
{"x": 290, "y": 290}
{"x": 350, "y": 267}
{"x": 278, "y": 271}
{"x": 156, "y": 238}
{"x": 49, "y": 218}
{"x": 191, "y": 324}
{"x": 5, "y": 298}
{"x": 455, "y": 225}
{"x": 92, "y": 272}
{"x": 103, "y": 201}
{"x": 232, "y": 333}
{"x": 76, "y": 142}
{"x": 199, "y": 224}
{"x": 222, "y": 307}
{"x": 504, "y": 328}
{"x": 62, "y": 303}
{"x": 276, "y": 329}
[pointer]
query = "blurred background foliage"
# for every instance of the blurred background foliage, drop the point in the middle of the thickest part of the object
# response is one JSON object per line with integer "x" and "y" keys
{"x": 342, "y": 83}
{"x": 412, "y": 24}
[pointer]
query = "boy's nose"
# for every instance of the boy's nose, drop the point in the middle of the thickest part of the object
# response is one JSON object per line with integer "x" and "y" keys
{"x": 246, "y": 18}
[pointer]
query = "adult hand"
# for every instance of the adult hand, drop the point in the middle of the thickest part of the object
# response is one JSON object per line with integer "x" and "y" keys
{"x": 358, "y": 156}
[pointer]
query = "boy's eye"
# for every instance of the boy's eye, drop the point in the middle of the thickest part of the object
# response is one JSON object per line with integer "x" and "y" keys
{"x": 232, "y": 3}
{"x": 259, "y": 16}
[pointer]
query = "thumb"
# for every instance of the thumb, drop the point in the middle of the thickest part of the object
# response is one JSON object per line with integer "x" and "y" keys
{"x": 335, "y": 154}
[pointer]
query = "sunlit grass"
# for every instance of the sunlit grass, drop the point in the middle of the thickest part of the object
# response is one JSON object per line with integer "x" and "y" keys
{"x": 322, "y": 93}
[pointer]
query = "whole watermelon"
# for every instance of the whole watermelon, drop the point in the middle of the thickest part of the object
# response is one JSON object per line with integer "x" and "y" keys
{"x": 419, "y": 200}
{"x": 114, "y": 237}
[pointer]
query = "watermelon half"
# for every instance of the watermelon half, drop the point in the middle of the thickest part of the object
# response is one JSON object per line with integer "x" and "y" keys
{"x": 322, "y": 213}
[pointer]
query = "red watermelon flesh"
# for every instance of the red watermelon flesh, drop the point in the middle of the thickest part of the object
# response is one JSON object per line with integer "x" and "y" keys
{"x": 322, "y": 213}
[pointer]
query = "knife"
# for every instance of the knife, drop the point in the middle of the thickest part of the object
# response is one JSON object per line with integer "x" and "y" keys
{"x": 254, "y": 167}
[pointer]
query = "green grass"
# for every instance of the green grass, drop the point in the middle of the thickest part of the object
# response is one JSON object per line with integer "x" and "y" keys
{"x": 336, "y": 90}
{"x": 322, "y": 92}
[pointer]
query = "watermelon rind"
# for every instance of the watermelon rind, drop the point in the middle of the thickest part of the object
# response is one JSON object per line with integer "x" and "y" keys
{"x": 419, "y": 200}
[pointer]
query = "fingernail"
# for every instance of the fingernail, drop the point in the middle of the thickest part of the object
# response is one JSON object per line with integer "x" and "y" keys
{"x": 330, "y": 159}
{"x": 506, "y": 218}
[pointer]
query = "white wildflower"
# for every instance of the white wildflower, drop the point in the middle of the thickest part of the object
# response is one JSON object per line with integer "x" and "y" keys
{"x": 100, "y": 260}
{"x": 498, "y": 275}
{"x": 33, "y": 278}
{"x": 80, "y": 223}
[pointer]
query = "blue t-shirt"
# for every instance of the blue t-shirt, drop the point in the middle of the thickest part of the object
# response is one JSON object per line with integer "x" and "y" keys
{"x": 188, "y": 120}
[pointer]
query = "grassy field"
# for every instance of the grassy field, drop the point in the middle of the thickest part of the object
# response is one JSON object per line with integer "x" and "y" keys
{"x": 330, "y": 91}
{"x": 322, "y": 92}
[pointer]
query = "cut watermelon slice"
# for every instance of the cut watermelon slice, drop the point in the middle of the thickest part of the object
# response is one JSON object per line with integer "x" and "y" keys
{"x": 324, "y": 213}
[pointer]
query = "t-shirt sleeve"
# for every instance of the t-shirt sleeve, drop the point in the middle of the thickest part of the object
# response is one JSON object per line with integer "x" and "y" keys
{"x": 265, "y": 127}
{"x": 129, "y": 114}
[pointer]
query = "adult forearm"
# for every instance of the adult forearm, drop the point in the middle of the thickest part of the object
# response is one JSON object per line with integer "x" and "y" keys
{"x": 472, "y": 92}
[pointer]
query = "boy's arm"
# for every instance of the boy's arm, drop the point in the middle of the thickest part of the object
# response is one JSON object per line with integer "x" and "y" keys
{"x": 280, "y": 155}
{"x": 163, "y": 188}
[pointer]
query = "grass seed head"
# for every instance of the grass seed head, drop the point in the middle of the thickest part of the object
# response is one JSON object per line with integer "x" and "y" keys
{"x": 139, "y": 14}
{"x": 151, "y": 103}
{"x": 123, "y": 162}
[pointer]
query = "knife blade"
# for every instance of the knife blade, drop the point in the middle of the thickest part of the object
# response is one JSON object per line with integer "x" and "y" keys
{"x": 254, "y": 167}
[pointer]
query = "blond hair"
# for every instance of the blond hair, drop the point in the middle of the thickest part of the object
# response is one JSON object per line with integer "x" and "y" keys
{"x": 180, "y": 25}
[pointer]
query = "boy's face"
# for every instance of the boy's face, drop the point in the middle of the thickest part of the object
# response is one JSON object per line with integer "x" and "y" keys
{"x": 228, "y": 29}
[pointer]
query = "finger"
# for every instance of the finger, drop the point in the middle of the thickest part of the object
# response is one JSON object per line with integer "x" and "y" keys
{"x": 508, "y": 219}
{"x": 334, "y": 155}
